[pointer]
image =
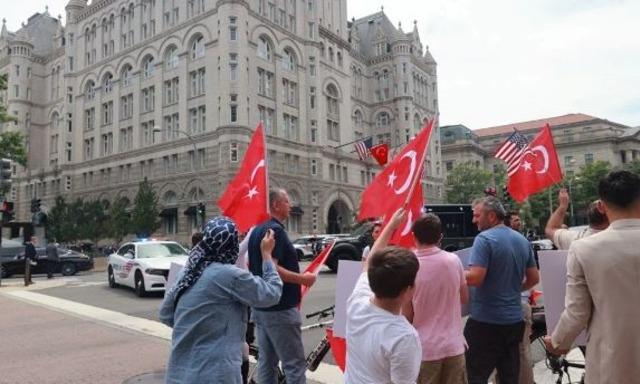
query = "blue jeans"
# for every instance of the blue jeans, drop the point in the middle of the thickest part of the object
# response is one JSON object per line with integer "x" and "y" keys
{"x": 280, "y": 339}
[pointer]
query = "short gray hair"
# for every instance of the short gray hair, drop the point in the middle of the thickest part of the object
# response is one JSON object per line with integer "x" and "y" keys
{"x": 275, "y": 195}
{"x": 492, "y": 204}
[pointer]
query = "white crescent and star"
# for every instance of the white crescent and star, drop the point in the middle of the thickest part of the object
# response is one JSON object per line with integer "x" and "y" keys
{"x": 545, "y": 155}
{"x": 253, "y": 190}
{"x": 408, "y": 224}
{"x": 407, "y": 183}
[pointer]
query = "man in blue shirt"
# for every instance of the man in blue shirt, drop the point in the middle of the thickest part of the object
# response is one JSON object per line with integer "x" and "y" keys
{"x": 501, "y": 266}
{"x": 278, "y": 327}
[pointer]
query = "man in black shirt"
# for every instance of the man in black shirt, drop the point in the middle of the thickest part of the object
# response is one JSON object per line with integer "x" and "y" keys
{"x": 29, "y": 256}
{"x": 278, "y": 327}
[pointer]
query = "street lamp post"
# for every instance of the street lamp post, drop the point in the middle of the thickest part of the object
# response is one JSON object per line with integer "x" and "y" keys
{"x": 157, "y": 129}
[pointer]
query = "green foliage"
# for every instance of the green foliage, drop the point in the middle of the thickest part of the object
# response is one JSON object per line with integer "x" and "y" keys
{"x": 119, "y": 220}
{"x": 94, "y": 226}
{"x": 633, "y": 166}
{"x": 584, "y": 185}
{"x": 59, "y": 225}
{"x": 466, "y": 182}
{"x": 145, "y": 219}
{"x": 12, "y": 146}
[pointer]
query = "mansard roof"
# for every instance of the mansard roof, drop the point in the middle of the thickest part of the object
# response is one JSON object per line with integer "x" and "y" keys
{"x": 373, "y": 28}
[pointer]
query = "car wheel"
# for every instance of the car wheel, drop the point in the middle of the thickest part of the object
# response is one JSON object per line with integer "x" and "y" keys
{"x": 112, "y": 278}
{"x": 3, "y": 272}
{"x": 141, "y": 291}
{"x": 68, "y": 269}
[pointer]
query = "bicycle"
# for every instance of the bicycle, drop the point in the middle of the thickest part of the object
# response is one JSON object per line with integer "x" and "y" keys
{"x": 314, "y": 358}
{"x": 559, "y": 365}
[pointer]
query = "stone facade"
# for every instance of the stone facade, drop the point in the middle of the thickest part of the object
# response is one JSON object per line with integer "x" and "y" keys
{"x": 580, "y": 139}
{"x": 171, "y": 90}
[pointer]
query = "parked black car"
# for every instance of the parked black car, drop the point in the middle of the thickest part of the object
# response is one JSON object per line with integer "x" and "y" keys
{"x": 68, "y": 264}
{"x": 457, "y": 228}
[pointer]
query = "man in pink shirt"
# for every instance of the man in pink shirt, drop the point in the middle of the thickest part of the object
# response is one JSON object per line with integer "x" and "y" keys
{"x": 434, "y": 311}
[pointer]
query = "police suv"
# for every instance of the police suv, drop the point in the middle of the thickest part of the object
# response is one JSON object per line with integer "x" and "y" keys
{"x": 144, "y": 265}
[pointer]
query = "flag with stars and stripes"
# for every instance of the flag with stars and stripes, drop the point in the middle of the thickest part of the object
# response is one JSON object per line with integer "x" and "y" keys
{"x": 363, "y": 148}
{"x": 512, "y": 151}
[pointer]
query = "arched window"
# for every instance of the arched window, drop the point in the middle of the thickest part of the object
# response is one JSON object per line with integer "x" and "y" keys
{"x": 127, "y": 75}
{"x": 55, "y": 121}
{"x": 107, "y": 82}
{"x": 339, "y": 54}
{"x": 197, "y": 47}
{"x": 171, "y": 58}
{"x": 383, "y": 120}
{"x": 148, "y": 66}
{"x": 416, "y": 122}
{"x": 90, "y": 90}
{"x": 289, "y": 60}
{"x": 264, "y": 48}
{"x": 332, "y": 100}
{"x": 170, "y": 197}
{"x": 331, "y": 54}
{"x": 196, "y": 195}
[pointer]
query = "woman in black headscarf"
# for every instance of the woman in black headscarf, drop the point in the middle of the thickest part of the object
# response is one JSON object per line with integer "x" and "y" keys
{"x": 207, "y": 306}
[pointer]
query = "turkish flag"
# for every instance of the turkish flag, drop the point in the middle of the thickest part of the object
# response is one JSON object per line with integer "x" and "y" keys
{"x": 316, "y": 265}
{"x": 538, "y": 169}
{"x": 380, "y": 152}
{"x": 245, "y": 200}
{"x": 396, "y": 184}
{"x": 403, "y": 236}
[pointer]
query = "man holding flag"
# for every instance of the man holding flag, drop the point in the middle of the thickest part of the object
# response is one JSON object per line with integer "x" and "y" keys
{"x": 279, "y": 335}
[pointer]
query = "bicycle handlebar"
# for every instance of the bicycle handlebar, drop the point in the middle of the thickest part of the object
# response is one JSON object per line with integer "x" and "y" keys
{"x": 323, "y": 312}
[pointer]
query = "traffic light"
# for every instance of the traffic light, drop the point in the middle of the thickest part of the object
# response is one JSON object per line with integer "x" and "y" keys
{"x": 7, "y": 211}
{"x": 5, "y": 173}
{"x": 201, "y": 210}
{"x": 35, "y": 205}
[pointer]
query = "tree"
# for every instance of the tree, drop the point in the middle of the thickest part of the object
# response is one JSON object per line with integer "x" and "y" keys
{"x": 12, "y": 146}
{"x": 59, "y": 225}
{"x": 466, "y": 182}
{"x": 633, "y": 166}
{"x": 584, "y": 185}
{"x": 145, "y": 219}
{"x": 119, "y": 220}
{"x": 77, "y": 220}
{"x": 95, "y": 225}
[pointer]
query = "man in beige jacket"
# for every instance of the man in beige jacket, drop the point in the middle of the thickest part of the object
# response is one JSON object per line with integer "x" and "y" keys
{"x": 603, "y": 285}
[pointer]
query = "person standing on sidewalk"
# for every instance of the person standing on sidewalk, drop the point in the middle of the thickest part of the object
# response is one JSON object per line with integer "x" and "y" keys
{"x": 501, "y": 266}
{"x": 52, "y": 257}
{"x": 435, "y": 310}
{"x": 29, "y": 256}
{"x": 278, "y": 327}
{"x": 207, "y": 307}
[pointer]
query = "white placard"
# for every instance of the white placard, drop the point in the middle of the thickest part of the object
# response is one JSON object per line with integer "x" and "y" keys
{"x": 553, "y": 276}
{"x": 174, "y": 271}
{"x": 464, "y": 255}
{"x": 348, "y": 273}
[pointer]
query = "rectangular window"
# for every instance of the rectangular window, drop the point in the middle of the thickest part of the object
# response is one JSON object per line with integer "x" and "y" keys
{"x": 312, "y": 97}
{"x": 233, "y": 33}
{"x": 588, "y": 158}
{"x": 332, "y": 172}
{"x": 233, "y": 152}
{"x": 314, "y": 167}
{"x": 314, "y": 131}
{"x": 233, "y": 66}
{"x": 148, "y": 99}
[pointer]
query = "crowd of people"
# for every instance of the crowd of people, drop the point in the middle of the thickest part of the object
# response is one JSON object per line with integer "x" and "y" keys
{"x": 405, "y": 314}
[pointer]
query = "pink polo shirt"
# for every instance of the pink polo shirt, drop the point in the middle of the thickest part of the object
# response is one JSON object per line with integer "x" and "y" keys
{"x": 436, "y": 304}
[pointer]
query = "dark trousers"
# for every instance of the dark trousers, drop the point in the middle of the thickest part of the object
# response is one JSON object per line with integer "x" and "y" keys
{"x": 493, "y": 346}
{"x": 51, "y": 266}
{"x": 27, "y": 272}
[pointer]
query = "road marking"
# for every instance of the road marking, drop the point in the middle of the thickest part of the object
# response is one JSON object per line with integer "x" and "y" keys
{"x": 325, "y": 374}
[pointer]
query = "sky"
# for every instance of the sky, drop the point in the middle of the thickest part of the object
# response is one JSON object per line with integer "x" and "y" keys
{"x": 507, "y": 61}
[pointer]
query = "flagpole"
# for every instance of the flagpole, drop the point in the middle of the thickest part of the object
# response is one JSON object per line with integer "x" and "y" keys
{"x": 266, "y": 165}
{"x": 421, "y": 168}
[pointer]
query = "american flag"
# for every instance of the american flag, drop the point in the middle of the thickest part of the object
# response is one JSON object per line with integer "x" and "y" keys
{"x": 363, "y": 147}
{"x": 512, "y": 151}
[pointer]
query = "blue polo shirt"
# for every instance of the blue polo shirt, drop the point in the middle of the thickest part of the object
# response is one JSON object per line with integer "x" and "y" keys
{"x": 506, "y": 254}
{"x": 284, "y": 253}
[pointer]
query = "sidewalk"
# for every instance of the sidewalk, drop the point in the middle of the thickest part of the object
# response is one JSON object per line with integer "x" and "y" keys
{"x": 73, "y": 343}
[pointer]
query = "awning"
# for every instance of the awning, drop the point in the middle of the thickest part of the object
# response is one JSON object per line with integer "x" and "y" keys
{"x": 191, "y": 211}
{"x": 169, "y": 212}
{"x": 297, "y": 210}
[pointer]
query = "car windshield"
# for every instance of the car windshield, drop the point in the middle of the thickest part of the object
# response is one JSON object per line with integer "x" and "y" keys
{"x": 361, "y": 229}
{"x": 146, "y": 251}
{"x": 301, "y": 241}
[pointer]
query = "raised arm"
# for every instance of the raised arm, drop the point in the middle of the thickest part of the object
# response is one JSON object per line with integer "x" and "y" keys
{"x": 397, "y": 219}
{"x": 557, "y": 217}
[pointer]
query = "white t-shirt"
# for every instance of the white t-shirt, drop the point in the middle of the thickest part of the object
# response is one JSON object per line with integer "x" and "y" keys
{"x": 563, "y": 238}
{"x": 383, "y": 348}
{"x": 365, "y": 252}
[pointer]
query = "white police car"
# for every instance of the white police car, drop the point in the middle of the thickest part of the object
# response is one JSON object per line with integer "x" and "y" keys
{"x": 144, "y": 265}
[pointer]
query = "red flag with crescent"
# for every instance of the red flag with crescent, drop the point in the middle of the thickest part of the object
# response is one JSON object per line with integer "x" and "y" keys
{"x": 246, "y": 197}
{"x": 398, "y": 184}
{"x": 538, "y": 168}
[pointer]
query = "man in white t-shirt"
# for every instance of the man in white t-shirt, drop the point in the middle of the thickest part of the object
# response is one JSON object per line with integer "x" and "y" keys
{"x": 562, "y": 237}
{"x": 383, "y": 348}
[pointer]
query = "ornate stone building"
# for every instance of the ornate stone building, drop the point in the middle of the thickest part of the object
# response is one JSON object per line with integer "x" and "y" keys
{"x": 580, "y": 139}
{"x": 171, "y": 90}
